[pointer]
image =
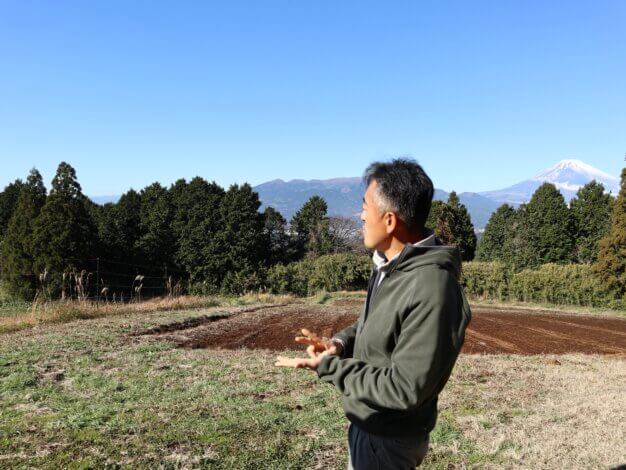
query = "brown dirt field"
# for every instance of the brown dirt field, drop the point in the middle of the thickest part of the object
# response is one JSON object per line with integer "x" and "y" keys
{"x": 492, "y": 330}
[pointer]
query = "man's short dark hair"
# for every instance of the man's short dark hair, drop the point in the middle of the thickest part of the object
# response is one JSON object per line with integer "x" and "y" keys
{"x": 403, "y": 188}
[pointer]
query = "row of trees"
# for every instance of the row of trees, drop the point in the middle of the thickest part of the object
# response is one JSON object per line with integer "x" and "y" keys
{"x": 546, "y": 230}
{"x": 214, "y": 239}
{"x": 207, "y": 235}
{"x": 590, "y": 231}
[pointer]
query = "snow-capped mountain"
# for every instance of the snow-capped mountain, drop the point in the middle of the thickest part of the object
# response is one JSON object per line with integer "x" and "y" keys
{"x": 567, "y": 175}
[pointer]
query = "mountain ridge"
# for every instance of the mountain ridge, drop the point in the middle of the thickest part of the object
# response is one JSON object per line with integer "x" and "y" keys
{"x": 343, "y": 194}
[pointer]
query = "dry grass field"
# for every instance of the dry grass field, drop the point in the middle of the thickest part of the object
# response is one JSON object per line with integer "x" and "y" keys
{"x": 132, "y": 389}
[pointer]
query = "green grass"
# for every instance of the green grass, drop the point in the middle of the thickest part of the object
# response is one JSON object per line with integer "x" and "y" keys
{"x": 10, "y": 307}
{"x": 86, "y": 394}
{"x": 322, "y": 297}
{"x": 449, "y": 445}
{"x": 13, "y": 308}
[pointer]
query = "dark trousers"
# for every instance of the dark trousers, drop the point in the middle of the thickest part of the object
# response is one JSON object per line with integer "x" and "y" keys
{"x": 372, "y": 452}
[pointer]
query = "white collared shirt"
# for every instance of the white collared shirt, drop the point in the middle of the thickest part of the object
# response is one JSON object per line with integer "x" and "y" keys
{"x": 381, "y": 262}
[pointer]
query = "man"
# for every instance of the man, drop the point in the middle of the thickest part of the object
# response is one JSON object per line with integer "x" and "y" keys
{"x": 392, "y": 363}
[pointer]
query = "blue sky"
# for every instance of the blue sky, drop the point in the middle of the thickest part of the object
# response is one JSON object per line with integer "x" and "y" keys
{"x": 483, "y": 94}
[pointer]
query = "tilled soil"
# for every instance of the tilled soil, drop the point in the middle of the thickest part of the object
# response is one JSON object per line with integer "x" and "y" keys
{"x": 492, "y": 331}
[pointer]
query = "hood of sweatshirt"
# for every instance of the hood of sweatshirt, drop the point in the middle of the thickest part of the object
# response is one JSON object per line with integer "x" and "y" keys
{"x": 412, "y": 257}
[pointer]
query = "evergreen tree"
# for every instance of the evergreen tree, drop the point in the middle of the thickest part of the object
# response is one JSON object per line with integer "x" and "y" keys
{"x": 156, "y": 244}
{"x": 64, "y": 233}
{"x": 8, "y": 202}
{"x": 118, "y": 235}
{"x": 242, "y": 231}
{"x": 111, "y": 244}
{"x": 126, "y": 230}
{"x": 453, "y": 226}
{"x": 279, "y": 245}
{"x": 516, "y": 251}
{"x": 16, "y": 250}
{"x": 434, "y": 215}
{"x": 97, "y": 213}
{"x": 464, "y": 235}
{"x": 550, "y": 228}
{"x": 611, "y": 264}
{"x": 591, "y": 211}
{"x": 310, "y": 228}
{"x": 491, "y": 246}
{"x": 320, "y": 239}
{"x": 119, "y": 228}
{"x": 197, "y": 225}
{"x": 445, "y": 227}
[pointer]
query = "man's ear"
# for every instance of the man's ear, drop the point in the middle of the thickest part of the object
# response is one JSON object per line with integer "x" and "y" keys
{"x": 391, "y": 221}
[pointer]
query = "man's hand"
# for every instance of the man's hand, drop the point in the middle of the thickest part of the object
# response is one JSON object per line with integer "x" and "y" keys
{"x": 317, "y": 345}
{"x": 317, "y": 349}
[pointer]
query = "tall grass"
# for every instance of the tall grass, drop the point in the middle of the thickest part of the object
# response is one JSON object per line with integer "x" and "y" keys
{"x": 26, "y": 315}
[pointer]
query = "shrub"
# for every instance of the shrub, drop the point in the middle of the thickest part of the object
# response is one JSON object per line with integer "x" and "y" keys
{"x": 486, "y": 280}
{"x": 573, "y": 284}
{"x": 300, "y": 273}
{"x": 342, "y": 271}
{"x": 203, "y": 288}
{"x": 292, "y": 278}
{"x": 279, "y": 279}
{"x": 240, "y": 282}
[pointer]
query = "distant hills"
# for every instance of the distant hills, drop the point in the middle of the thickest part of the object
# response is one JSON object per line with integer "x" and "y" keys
{"x": 344, "y": 195}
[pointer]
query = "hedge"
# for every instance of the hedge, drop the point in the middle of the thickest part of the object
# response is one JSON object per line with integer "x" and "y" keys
{"x": 486, "y": 280}
{"x": 343, "y": 271}
{"x": 563, "y": 284}
{"x": 570, "y": 284}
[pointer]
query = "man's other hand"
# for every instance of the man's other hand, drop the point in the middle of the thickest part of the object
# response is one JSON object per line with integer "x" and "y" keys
{"x": 300, "y": 362}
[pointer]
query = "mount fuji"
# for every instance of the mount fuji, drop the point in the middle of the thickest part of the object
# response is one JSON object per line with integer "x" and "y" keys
{"x": 567, "y": 175}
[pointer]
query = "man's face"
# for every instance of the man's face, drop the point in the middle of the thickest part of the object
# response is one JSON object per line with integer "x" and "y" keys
{"x": 375, "y": 226}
